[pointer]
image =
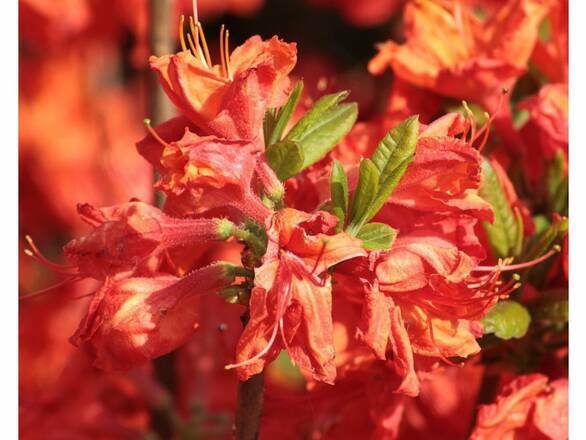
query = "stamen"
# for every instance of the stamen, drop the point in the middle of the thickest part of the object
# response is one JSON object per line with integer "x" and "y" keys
{"x": 49, "y": 289}
{"x": 471, "y": 122}
{"x": 153, "y": 133}
{"x": 442, "y": 357}
{"x": 505, "y": 268}
{"x": 227, "y": 55}
{"x": 197, "y": 53}
{"x": 485, "y": 138}
{"x": 181, "y": 34}
{"x": 284, "y": 276}
{"x": 204, "y": 44}
{"x": 222, "y": 52}
{"x": 85, "y": 295}
{"x": 488, "y": 123}
{"x": 65, "y": 269}
{"x": 260, "y": 353}
{"x": 196, "y": 19}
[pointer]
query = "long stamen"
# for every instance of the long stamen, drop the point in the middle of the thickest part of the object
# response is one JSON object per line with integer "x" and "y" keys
{"x": 196, "y": 49}
{"x": 471, "y": 122}
{"x": 181, "y": 33}
{"x": 488, "y": 123}
{"x": 196, "y": 19}
{"x": 520, "y": 266}
{"x": 227, "y": 55}
{"x": 194, "y": 43}
{"x": 260, "y": 353}
{"x": 222, "y": 52}
{"x": 486, "y": 132}
{"x": 49, "y": 289}
{"x": 35, "y": 253}
{"x": 442, "y": 357}
{"x": 153, "y": 133}
{"x": 204, "y": 43}
{"x": 282, "y": 302}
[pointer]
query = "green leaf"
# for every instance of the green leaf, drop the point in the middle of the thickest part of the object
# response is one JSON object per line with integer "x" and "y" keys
{"x": 337, "y": 211}
{"x": 339, "y": 187}
{"x": 320, "y": 129}
{"x": 377, "y": 236}
{"x": 285, "y": 158}
{"x": 507, "y": 319}
{"x": 284, "y": 114}
{"x": 320, "y": 106}
{"x": 506, "y": 231}
{"x": 368, "y": 182}
{"x": 556, "y": 182}
{"x": 268, "y": 124}
{"x": 392, "y": 156}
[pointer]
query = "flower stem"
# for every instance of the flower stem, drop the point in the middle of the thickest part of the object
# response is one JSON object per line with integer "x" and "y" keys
{"x": 249, "y": 403}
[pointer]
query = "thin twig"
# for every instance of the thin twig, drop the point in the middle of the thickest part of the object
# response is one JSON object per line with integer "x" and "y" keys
{"x": 249, "y": 404}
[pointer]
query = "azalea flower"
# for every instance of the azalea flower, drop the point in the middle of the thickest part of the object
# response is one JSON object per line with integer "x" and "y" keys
{"x": 290, "y": 304}
{"x": 452, "y": 52}
{"x": 201, "y": 173}
{"x": 422, "y": 297}
{"x": 227, "y": 99}
{"x": 550, "y": 55}
{"x": 546, "y": 131}
{"x": 528, "y": 407}
{"x": 133, "y": 320}
{"x": 127, "y": 240}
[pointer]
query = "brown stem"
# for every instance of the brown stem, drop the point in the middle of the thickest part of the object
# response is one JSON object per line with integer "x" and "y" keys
{"x": 160, "y": 109}
{"x": 250, "y": 397}
{"x": 161, "y": 43}
{"x": 249, "y": 403}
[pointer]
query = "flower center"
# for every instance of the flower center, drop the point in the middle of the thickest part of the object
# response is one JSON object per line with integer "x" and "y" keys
{"x": 194, "y": 41}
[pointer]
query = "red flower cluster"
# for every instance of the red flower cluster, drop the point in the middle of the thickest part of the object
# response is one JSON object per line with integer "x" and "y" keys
{"x": 377, "y": 266}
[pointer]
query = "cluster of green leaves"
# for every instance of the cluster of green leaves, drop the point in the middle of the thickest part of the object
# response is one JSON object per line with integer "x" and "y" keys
{"x": 315, "y": 134}
{"x": 378, "y": 177}
{"x": 312, "y": 137}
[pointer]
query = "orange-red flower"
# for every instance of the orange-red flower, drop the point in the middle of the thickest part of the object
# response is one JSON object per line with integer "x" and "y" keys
{"x": 546, "y": 131}
{"x": 550, "y": 55}
{"x": 291, "y": 304}
{"x": 229, "y": 99}
{"x": 420, "y": 298}
{"x": 451, "y": 51}
{"x": 454, "y": 53}
{"x": 527, "y": 408}
{"x": 199, "y": 174}
{"x": 127, "y": 240}
{"x": 132, "y": 320}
